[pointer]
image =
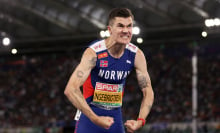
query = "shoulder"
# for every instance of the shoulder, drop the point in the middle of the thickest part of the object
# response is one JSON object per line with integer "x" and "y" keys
{"x": 89, "y": 52}
{"x": 89, "y": 58}
{"x": 132, "y": 47}
{"x": 140, "y": 58}
{"x": 140, "y": 53}
{"x": 98, "y": 46}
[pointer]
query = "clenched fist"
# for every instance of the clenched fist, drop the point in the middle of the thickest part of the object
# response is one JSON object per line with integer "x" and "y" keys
{"x": 132, "y": 125}
{"x": 104, "y": 121}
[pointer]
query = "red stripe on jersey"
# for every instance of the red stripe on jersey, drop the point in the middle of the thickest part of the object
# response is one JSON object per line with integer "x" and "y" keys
{"x": 123, "y": 92}
{"x": 88, "y": 89}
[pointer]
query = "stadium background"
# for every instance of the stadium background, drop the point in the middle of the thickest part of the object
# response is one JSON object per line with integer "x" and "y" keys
{"x": 50, "y": 36}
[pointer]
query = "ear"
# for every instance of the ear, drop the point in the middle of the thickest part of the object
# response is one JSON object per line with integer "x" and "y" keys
{"x": 109, "y": 29}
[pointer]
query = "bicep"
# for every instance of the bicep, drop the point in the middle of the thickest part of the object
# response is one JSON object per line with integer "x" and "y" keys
{"x": 79, "y": 76}
{"x": 141, "y": 70}
{"x": 84, "y": 68}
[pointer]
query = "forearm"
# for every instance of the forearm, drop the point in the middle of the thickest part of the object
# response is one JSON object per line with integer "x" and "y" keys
{"x": 148, "y": 95}
{"x": 145, "y": 85}
{"x": 147, "y": 102}
{"x": 76, "y": 98}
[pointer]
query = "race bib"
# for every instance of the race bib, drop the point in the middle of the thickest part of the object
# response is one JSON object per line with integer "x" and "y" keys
{"x": 109, "y": 95}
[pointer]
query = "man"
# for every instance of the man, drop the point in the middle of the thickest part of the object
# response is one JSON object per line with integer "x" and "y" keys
{"x": 102, "y": 71}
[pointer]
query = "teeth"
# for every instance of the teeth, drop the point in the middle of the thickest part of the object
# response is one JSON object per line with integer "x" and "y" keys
{"x": 125, "y": 37}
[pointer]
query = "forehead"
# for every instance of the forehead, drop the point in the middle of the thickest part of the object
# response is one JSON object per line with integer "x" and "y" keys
{"x": 122, "y": 20}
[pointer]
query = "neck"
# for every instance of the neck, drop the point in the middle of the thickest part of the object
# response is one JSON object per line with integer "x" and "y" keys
{"x": 115, "y": 49}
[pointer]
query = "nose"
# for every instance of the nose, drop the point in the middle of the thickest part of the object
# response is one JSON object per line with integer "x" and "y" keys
{"x": 125, "y": 29}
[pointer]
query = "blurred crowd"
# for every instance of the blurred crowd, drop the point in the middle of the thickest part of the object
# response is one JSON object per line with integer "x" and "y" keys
{"x": 32, "y": 88}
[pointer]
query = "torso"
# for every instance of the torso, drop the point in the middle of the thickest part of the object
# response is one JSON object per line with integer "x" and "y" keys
{"x": 110, "y": 73}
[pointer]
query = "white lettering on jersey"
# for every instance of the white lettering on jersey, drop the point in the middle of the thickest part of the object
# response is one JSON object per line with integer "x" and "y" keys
{"x": 101, "y": 73}
{"x": 107, "y": 75}
{"x": 125, "y": 75}
{"x": 113, "y": 75}
{"x": 120, "y": 73}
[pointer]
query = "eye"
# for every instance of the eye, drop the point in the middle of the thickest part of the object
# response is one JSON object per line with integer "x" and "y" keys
{"x": 120, "y": 25}
{"x": 129, "y": 26}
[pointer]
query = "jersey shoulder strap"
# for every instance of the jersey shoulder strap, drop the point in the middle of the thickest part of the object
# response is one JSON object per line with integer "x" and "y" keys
{"x": 98, "y": 46}
{"x": 132, "y": 47}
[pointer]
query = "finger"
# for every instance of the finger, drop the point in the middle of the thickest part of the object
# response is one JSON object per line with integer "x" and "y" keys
{"x": 128, "y": 125}
{"x": 127, "y": 122}
{"x": 108, "y": 125}
{"x": 129, "y": 130}
{"x": 130, "y": 121}
{"x": 111, "y": 120}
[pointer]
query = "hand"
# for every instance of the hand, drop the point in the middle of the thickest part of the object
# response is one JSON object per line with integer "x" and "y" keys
{"x": 103, "y": 121}
{"x": 133, "y": 125}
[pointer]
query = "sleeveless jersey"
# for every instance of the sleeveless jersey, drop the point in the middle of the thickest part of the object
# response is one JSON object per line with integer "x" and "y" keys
{"x": 105, "y": 85}
{"x": 104, "y": 88}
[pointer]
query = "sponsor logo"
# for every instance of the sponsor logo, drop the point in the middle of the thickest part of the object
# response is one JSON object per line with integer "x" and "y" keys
{"x": 103, "y": 63}
{"x": 108, "y": 87}
{"x": 132, "y": 47}
{"x": 102, "y": 55}
{"x": 128, "y": 61}
{"x": 97, "y": 46}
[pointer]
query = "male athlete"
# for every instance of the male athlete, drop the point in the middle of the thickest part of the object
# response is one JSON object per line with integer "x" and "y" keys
{"x": 103, "y": 69}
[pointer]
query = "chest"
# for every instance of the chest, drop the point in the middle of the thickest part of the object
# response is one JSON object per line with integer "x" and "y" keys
{"x": 115, "y": 69}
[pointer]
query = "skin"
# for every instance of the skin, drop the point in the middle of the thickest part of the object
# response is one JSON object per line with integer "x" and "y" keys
{"x": 146, "y": 88}
{"x": 120, "y": 34}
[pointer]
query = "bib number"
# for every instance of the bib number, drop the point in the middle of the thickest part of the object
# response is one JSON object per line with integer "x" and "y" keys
{"x": 109, "y": 95}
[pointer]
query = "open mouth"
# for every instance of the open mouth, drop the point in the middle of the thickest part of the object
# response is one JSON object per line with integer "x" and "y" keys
{"x": 125, "y": 37}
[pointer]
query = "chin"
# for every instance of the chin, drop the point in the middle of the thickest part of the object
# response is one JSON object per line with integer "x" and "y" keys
{"x": 124, "y": 41}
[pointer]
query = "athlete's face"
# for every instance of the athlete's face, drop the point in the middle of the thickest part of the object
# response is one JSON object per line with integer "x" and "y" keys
{"x": 121, "y": 29}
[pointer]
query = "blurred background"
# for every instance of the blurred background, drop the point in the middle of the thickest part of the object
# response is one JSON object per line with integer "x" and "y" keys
{"x": 41, "y": 42}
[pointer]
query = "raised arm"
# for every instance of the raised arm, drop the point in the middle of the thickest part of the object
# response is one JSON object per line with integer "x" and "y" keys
{"x": 146, "y": 88}
{"x": 74, "y": 94}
